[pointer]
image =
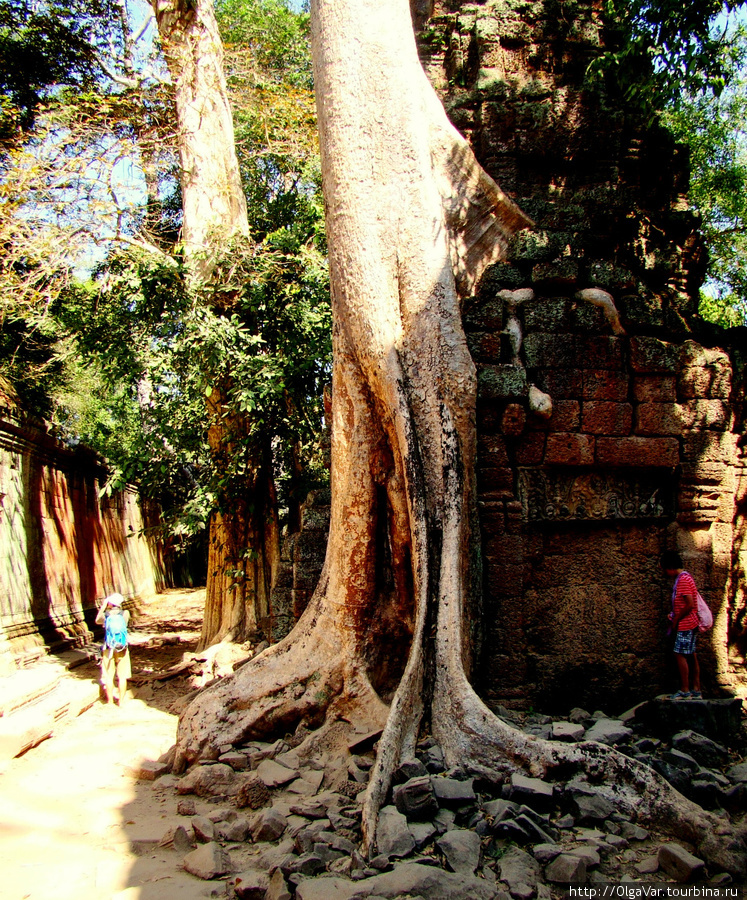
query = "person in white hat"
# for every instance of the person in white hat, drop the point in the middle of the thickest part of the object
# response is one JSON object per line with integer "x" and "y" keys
{"x": 115, "y": 653}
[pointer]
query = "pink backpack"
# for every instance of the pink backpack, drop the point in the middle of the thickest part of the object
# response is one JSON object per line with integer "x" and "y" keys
{"x": 705, "y": 616}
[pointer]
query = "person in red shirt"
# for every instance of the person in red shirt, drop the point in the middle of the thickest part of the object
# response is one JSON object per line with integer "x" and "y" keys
{"x": 684, "y": 618}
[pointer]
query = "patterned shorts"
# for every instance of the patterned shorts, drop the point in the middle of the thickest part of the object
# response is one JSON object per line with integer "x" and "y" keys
{"x": 685, "y": 642}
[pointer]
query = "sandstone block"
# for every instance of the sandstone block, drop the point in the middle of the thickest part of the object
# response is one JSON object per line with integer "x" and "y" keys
{"x": 569, "y": 449}
{"x": 268, "y": 825}
{"x": 648, "y": 354}
{"x": 250, "y": 885}
{"x": 530, "y": 449}
{"x": 415, "y": 798}
{"x": 393, "y": 838}
{"x": 204, "y": 829}
{"x": 655, "y": 388}
{"x": 608, "y": 731}
{"x": 275, "y": 775}
{"x": 567, "y": 731}
{"x": 491, "y": 451}
{"x": 452, "y": 792}
{"x": 604, "y": 385}
{"x": 604, "y": 417}
{"x": 494, "y": 382}
{"x": 637, "y": 451}
{"x": 602, "y": 353}
{"x": 208, "y": 861}
{"x": 549, "y": 351}
{"x": 252, "y": 793}
{"x": 461, "y": 848}
{"x": 567, "y": 869}
{"x": 206, "y": 781}
{"x": 534, "y": 792}
{"x": 659, "y": 419}
{"x": 705, "y": 382}
{"x": 678, "y": 863}
{"x": 713, "y": 415}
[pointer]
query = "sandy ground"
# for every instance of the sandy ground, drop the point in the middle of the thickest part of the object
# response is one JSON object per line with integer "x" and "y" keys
{"x": 74, "y": 822}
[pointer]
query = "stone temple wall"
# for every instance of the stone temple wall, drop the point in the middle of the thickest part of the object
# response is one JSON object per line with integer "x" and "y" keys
{"x": 644, "y": 446}
{"x": 62, "y": 546}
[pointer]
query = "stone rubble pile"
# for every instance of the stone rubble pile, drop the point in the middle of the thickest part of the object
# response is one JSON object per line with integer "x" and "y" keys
{"x": 273, "y": 826}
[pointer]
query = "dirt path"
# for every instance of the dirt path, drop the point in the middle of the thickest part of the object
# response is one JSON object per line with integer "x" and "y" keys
{"x": 74, "y": 821}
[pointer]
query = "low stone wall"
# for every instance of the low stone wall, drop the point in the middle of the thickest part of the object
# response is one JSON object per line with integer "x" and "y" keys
{"x": 62, "y": 545}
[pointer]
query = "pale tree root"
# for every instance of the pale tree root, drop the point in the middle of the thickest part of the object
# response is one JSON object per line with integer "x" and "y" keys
{"x": 479, "y": 742}
{"x": 302, "y": 679}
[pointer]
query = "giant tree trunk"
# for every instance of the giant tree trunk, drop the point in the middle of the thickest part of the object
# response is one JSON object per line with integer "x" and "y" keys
{"x": 412, "y": 220}
{"x": 244, "y": 543}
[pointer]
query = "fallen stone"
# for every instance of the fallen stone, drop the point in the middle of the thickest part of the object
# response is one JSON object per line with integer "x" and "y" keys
{"x": 738, "y": 773}
{"x": 719, "y": 720}
{"x": 633, "y": 832}
{"x": 536, "y": 832}
{"x": 310, "y": 809}
{"x": 545, "y": 853}
{"x": 588, "y": 854}
{"x": 186, "y": 808}
{"x": 422, "y": 833}
{"x": 307, "y": 837}
{"x": 416, "y": 799}
{"x": 567, "y": 731}
{"x": 680, "y": 760}
{"x": 275, "y": 775}
{"x": 393, "y": 837}
{"x": 499, "y": 809}
{"x": 409, "y": 768}
{"x": 362, "y": 743}
{"x": 591, "y": 805}
{"x": 417, "y": 880}
{"x": 326, "y": 888}
{"x": 208, "y": 781}
{"x": 148, "y": 770}
{"x": 250, "y": 885}
{"x": 578, "y": 715}
{"x": 183, "y": 839}
{"x": 278, "y": 888}
{"x": 237, "y": 761}
{"x": 519, "y": 870}
{"x": 608, "y": 731}
{"x": 433, "y": 759}
{"x": 336, "y": 841}
{"x": 678, "y": 863}
{"x": 252, "y": 793}
{"x": 268, "y": 825}
{"x": 208, "y": 861}
{"x": 677, "y": 777}
{"x": 617, "y": 842}
{"x": 235, "y": 831}
{"x": 648, "y": 865}
{"x": 452, "y": 792}
{"x": 512, "y": 830}
{"x": 308, "y": 864}
{"x": 706, "y": 793}
{"x": 444, "y": 820}
{"x": 707, "y": 752}
{"x": 204, "y": 829}
{"x": 566, "y": 869}
{"x": 461, "y": 849}
{"x": 533, "y": 792}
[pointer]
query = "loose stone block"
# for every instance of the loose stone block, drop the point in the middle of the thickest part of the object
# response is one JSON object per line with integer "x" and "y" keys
{"x": 208, "y": 861}
{"x": 275, "y": 775}
{"x": 678, "y": 863}
{"x": 534, "y": 792}
{"x": 567, "y": 731}
{"x": 461, "y": 848}
{"x": 393, "y": 838}
{"x": 566, "y": 869}
{"x": 268, "y": 825}
{"x": 452, "y": 792}
{"x": 415, "y": 798}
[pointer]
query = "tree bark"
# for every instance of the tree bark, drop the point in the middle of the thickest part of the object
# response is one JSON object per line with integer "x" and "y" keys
{"x": 244, "y": 542}
{"x": 412, "y": 220}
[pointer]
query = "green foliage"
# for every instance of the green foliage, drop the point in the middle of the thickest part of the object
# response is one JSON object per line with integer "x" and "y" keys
{"x": 715, "y": 130}
{"x": 658, "y": 50}
{"x": 43, "y": 45}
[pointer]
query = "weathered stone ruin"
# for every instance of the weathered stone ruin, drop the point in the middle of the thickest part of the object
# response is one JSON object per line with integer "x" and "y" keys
{"x": 610, "y": 418}
{"x": 65, "y": 545}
